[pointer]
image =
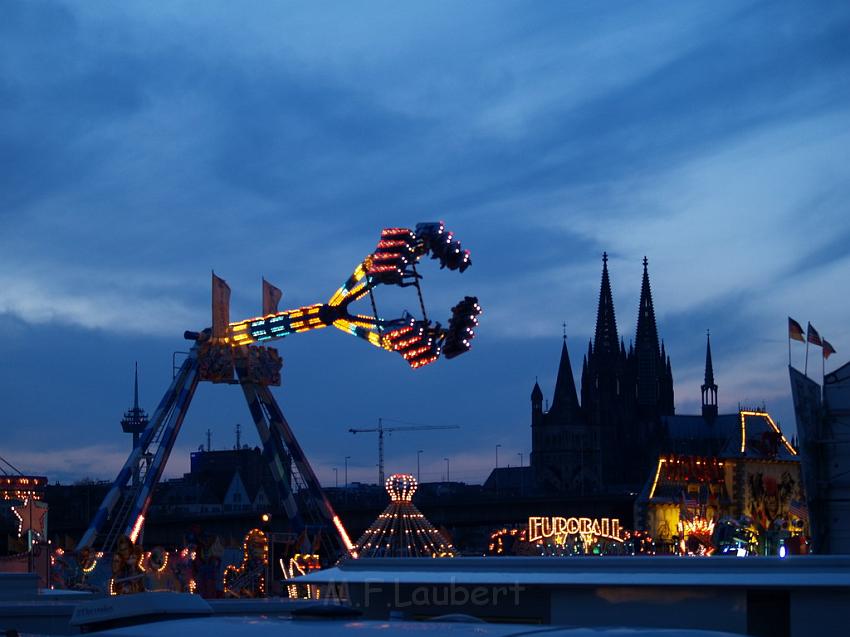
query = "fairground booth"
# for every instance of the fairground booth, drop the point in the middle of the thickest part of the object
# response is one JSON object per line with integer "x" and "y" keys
{"x": 728, "y": 483}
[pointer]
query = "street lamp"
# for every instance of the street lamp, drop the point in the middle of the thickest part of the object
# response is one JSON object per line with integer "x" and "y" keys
{"x": 448, "y": 475}
{"x": 497, "y": 455}
{"x": 346, "y": 471}
{"x": 418, "y": 478}
{"x": 521, "y": 485}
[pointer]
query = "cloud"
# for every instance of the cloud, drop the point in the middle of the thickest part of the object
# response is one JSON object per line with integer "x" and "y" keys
{"x": 744, "y": 201}
{"x": 143, "y": 146}
{"x": 63, "y": 464}
{"x": 101, "y": 302}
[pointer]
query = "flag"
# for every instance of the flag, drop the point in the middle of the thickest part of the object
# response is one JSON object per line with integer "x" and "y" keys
{"x": 795, "y": 330}
{"x": 798, "y": 508}
{"x": 271, "y": 297}
{"x": 828, "y": 349}
{"x": 686, "y": 502}
{"x": 220, "y": 307}
{"x": 683, "y": 507}
{"x": 812, "y": 335}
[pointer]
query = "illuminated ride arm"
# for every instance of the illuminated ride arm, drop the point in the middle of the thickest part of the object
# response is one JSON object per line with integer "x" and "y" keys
{"x": 392, "y": 263}
{"x": 215, "y": 359}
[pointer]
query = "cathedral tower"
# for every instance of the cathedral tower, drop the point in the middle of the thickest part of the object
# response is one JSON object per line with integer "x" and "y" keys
{"x": 565, "y": 408}
{"x": 564, "y": 449}
{"x": 605, "y": 384}
{"x": 709, "y": 387}
{"x": 651, "y": 366}
{"x": 602, "y": 379}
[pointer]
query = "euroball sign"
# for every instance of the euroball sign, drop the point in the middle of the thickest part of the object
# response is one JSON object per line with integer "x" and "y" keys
{"x": 560, "y": 528}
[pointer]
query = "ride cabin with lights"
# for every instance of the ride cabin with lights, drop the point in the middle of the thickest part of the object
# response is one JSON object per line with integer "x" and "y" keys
{"x": 235, "y": 353}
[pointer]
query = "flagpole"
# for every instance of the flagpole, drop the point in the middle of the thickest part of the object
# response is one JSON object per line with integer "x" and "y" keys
{"x": 806, "y": 368}
{"x": 789, "y": 348}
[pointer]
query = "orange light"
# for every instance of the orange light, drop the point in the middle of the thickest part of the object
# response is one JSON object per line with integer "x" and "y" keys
{"x": 344, "y": 534}
{"x": 765, "y": 415}
{"x": 657, "y": 473}
{"x": 137, "y": 528}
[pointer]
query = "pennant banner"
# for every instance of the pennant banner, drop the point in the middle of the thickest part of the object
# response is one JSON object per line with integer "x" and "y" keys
{"x": 795, "y": 330}
{"x": 220, "y": 307}
{"x": 271, "y": 297}
{"x": 798, "y": 508}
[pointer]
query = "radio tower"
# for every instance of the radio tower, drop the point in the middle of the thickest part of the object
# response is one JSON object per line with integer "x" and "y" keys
{"x": 134, "y": 422}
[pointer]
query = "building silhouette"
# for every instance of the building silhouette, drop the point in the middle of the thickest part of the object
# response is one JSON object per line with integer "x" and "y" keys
{"x": 609, "y": 441}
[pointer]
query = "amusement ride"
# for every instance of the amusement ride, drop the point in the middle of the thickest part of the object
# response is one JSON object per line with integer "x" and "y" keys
{"x": 401, "y": 530}
{"x": 236, "y": 353}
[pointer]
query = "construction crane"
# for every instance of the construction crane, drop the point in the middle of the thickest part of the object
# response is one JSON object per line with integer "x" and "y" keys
{"x": 381, "y": 429}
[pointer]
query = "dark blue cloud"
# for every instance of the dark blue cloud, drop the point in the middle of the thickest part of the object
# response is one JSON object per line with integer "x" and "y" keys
{"x": 139, "y": 149}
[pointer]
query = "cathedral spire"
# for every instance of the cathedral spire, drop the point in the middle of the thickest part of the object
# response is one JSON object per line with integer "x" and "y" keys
{"x": 605, "y": 339}
{"x": 650, "y": 359}
{"x": 565, "y": 399}
{"x": 709, "y": 367}
{"x": 536, "y": 408}
{"x": 647, "y": 331}
{"x": 536, "y": 394}
{"x": 709, "y": 387}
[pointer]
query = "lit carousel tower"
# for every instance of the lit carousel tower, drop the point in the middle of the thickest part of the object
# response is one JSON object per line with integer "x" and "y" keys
{"x": 401, "y": 530}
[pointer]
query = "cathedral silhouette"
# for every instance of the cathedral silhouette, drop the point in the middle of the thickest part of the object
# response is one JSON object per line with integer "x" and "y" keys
{"x": 610, "y": 441}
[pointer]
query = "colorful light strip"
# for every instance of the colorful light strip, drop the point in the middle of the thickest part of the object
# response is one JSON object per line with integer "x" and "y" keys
{"x": 137, "y": 528}
{"x": 763, "y": 414}
{"x": 396, "y": 251}
{"x": 344, "y": 535}
{"x": 661, "y": 461}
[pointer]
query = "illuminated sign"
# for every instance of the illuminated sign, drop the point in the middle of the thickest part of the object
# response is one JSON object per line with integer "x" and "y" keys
{"x": 559, "y": 528}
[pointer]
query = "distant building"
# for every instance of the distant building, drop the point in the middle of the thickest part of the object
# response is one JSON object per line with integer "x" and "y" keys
{"x": 609, "y": 440}
{"x": 221, "y": 481}
{"x": 566, "y": 451}
{"x": 624, "y": 437}
{"x": 712, "y": 467}
{"x": 511, "y": 481}
{"x": 823, "y": 423}
{"x": 224, "y": 493}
